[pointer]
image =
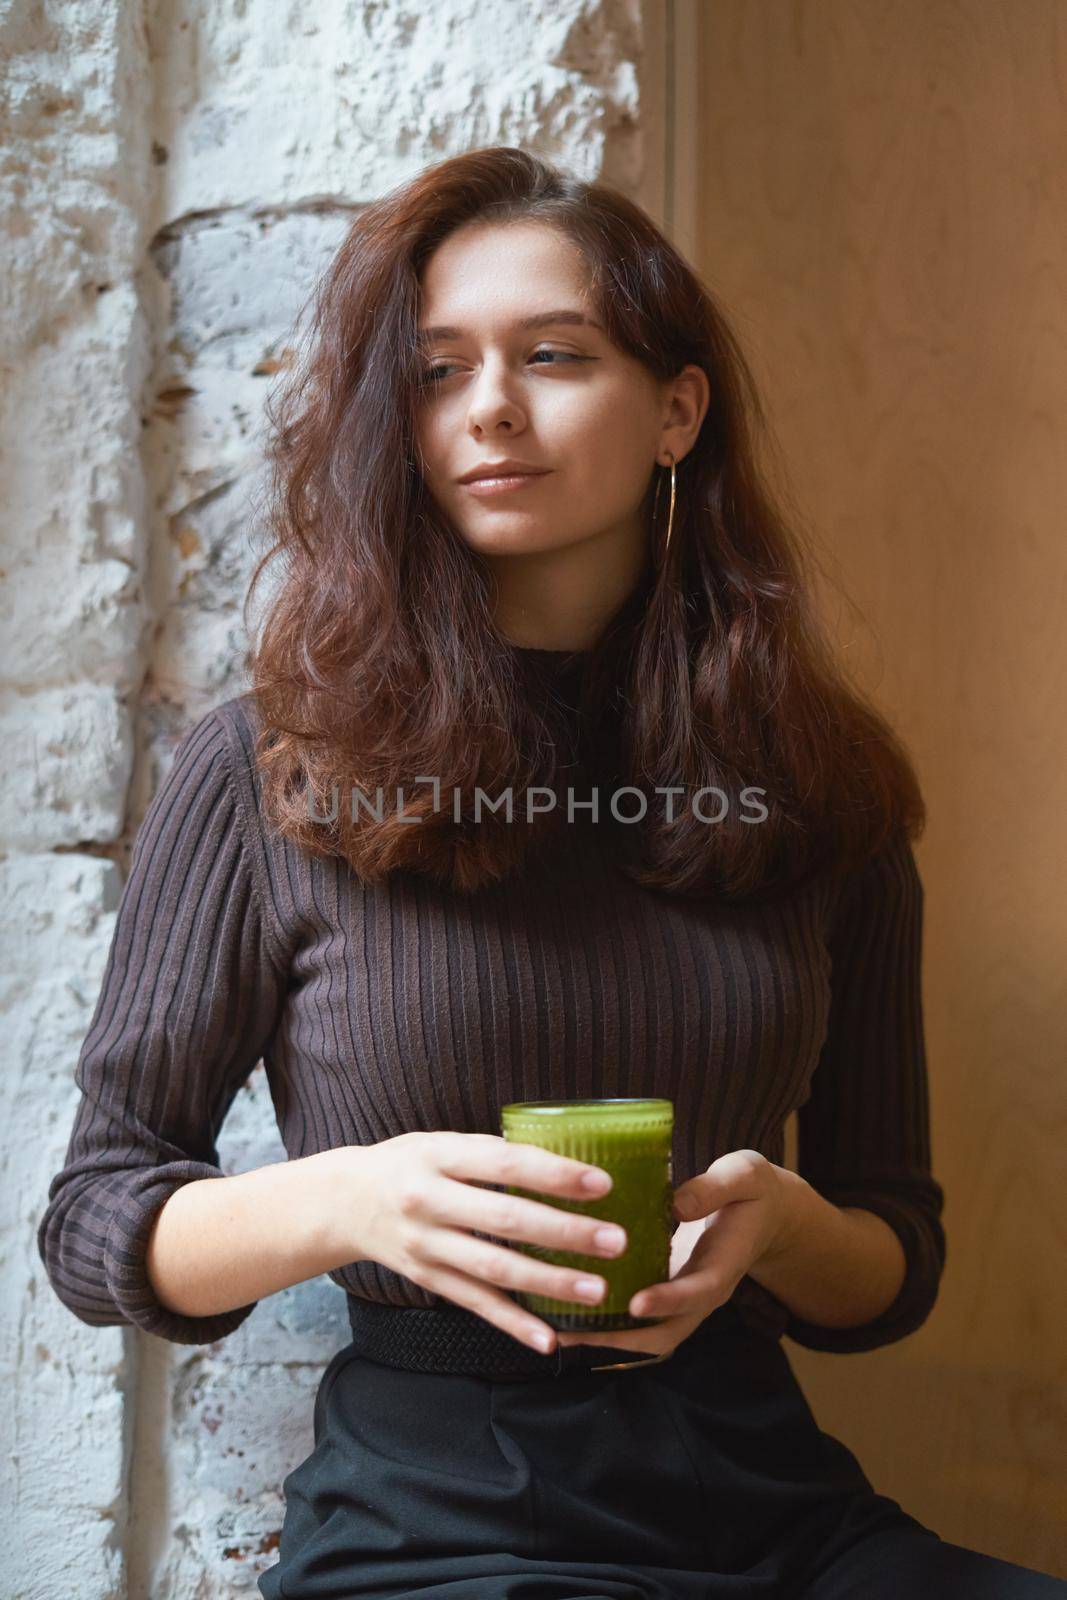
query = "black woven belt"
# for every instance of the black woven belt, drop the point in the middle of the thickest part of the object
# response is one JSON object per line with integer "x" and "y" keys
{"x": 455, "y": 1340}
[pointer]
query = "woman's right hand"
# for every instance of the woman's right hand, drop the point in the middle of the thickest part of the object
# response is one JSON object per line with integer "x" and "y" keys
{"x": 416, "y": 1198}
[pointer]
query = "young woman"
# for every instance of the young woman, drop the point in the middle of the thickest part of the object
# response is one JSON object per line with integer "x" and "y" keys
{"x": 526, "y": 553}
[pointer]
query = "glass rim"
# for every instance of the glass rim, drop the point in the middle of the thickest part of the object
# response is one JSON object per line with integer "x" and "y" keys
{"x": 630, "y": 1103}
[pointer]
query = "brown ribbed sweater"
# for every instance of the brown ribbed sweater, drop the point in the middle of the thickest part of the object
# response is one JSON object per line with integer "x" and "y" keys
{"x": 381, "y": 1009}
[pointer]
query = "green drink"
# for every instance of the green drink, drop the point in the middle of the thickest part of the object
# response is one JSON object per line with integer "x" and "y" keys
{"x": 630, "y": 1139}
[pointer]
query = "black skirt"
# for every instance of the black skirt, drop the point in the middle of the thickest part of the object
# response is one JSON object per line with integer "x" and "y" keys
{"x": 700, "y": 1478}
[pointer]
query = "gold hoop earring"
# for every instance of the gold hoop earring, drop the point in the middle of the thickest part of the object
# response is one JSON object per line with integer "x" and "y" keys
{"x": 670, "y": 514}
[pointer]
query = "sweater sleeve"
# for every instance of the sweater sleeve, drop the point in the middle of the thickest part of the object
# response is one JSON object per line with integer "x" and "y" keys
{"x": 190, "y": 998}
{"x": 863, "y": 1135}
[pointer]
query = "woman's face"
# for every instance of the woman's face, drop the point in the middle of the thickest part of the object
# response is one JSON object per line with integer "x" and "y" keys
{"x": 558, "y": 397}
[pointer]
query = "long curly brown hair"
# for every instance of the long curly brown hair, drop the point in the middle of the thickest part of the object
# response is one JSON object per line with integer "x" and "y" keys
{"x": 379, "y": 661}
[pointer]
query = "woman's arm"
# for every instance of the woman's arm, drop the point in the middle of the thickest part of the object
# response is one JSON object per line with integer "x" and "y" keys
{"x": 218, "y": 1245}
{"x": 838, "y": 1266}
{"x": 425, "y": 1204}
{"x": 191, "y": 996}
{"x": 866, "y": 1248}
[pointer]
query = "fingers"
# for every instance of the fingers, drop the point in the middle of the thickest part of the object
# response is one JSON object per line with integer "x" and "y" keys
{"x": 699, "y": 1285}
{"x": 510, "y": 1216}
{"x": 496, "y": 1308}
{"x": 437, "y": 1198}
{"x": 509, "y": 1269}
{"x": 492, "y": 1159}
{"x": 738, "y": 1175}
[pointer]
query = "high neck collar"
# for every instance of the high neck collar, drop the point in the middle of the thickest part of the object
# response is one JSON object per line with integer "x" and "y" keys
{"x": 564, "y": 670}
{"x": 550, "y": 658}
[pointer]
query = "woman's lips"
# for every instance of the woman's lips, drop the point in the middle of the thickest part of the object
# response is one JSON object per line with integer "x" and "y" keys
{"x": 491, "y": 486}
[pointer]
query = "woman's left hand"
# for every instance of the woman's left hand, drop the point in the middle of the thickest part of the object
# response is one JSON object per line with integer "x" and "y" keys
{"x": 738, "y": 1214}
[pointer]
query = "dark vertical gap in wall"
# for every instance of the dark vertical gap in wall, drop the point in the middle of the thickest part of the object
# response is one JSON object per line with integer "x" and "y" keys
{"x": 669, "y": 131}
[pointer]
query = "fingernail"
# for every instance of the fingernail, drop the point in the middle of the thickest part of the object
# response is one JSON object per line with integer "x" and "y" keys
{"x": 589, "y": 1288}
{"x": 543, "y": 1341}
{"x": 598, "y": 1182}
{"x": 609, "y": 1238}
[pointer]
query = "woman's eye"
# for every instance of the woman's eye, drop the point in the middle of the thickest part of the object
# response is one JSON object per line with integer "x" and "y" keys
{"x": 435, "y": 374}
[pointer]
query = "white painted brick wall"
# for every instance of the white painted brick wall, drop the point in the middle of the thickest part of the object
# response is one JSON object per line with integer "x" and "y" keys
{"x": 176, "y": 179}
{"x": 75, "y": 352}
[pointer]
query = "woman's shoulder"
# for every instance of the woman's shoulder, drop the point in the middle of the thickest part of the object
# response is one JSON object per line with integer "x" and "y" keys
{"x": 213, "y": 733}
{"x": 885, "y": 885}
{"x": 213, "y": 768}
{"x": 234, "y": 725}
{"x": 239, "y": 715}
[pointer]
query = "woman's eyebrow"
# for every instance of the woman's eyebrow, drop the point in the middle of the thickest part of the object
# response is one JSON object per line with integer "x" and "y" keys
{"x": 541, "y": 320}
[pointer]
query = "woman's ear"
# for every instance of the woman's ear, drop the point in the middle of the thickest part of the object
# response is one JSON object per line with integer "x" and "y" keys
{"x": 688, "y": 398}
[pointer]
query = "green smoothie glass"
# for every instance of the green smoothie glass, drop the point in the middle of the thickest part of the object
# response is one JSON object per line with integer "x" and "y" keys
{"x": 630, "y": 1139}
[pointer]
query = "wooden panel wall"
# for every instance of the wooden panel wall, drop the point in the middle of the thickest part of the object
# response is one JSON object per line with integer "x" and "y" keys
{"x": 883, "y": 207}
